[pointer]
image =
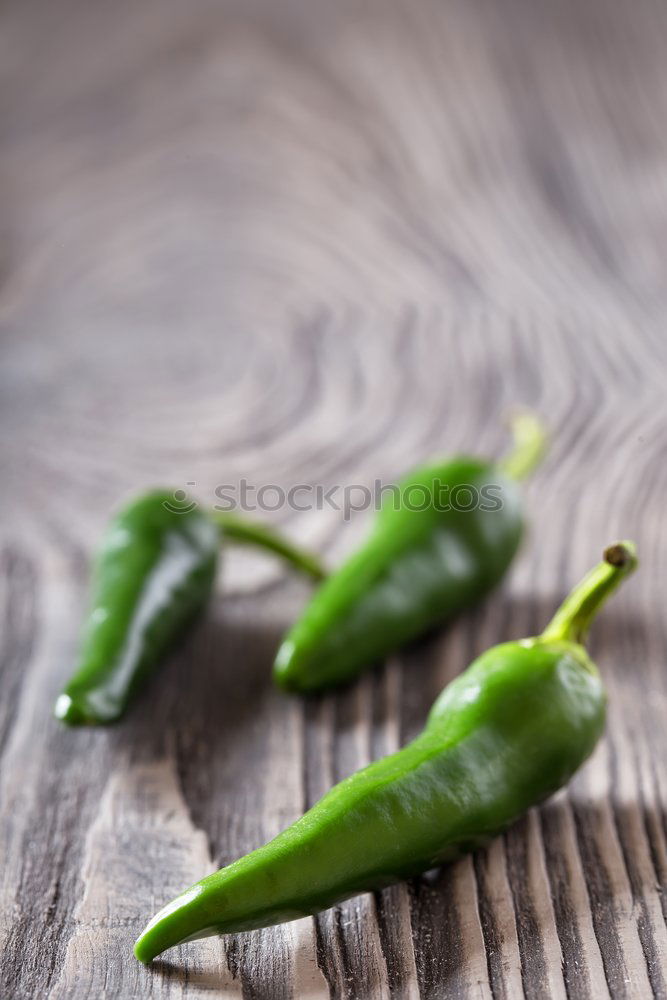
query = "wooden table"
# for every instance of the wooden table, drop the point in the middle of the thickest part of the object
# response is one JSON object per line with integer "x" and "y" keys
{"x": 307, "y": 242}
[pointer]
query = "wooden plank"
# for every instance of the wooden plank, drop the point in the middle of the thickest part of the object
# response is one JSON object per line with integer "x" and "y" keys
{"x": 316, "y": 243}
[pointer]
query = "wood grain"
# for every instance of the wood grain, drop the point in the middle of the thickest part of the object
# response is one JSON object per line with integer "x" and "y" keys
{"x": 310, "y": 242}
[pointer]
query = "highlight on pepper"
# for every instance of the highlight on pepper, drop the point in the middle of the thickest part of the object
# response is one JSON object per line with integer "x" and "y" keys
{"x": 502, "y": 737}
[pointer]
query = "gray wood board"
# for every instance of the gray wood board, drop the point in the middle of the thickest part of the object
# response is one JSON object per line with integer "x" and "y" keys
{"x": 317, "y": 243}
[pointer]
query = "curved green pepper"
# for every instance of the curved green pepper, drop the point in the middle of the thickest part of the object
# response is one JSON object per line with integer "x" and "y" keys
{"x": 154, "y": 574}
{"x": 429, "y": 556}
{"x": 501, "y": 737}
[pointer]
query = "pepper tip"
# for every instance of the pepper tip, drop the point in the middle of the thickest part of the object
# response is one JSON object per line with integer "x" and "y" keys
{"x": 140, "y": 953}
{"x": 283, "y": 667}
{"x": 68, "y": 711}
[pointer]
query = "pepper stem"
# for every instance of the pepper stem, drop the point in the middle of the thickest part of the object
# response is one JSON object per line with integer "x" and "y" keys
{"x": 530, "y": 443}
{"x": 572, "y": 620}
{"x": 245, "y": 532}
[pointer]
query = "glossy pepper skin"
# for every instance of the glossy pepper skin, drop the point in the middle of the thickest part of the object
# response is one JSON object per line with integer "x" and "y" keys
{"x": 153, "y": 576}
{"x": 502, "y": 737}
{"x": 426, "y": 559}
{"x": 154, "y": 573}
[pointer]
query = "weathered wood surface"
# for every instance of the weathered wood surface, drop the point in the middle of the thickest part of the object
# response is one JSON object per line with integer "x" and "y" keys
{"x": 316, "y": 242}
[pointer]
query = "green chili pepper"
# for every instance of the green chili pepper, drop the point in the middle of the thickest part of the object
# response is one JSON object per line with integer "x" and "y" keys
{"x": 502, "y": 737}
{"x": 442, "y": 540}
{"x": 153, "y": 576}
